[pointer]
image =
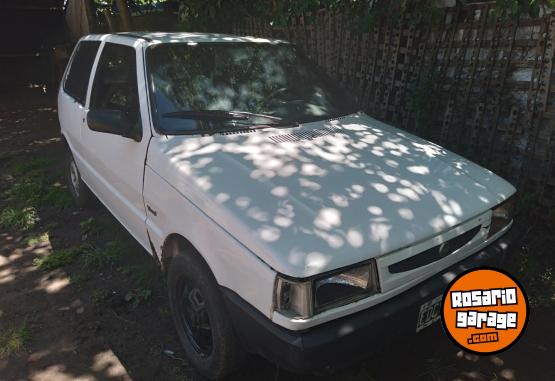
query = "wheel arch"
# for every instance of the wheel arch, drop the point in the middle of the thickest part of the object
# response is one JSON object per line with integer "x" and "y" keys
{"x": 64, "y": 140}
{"x": 176, "y": 244}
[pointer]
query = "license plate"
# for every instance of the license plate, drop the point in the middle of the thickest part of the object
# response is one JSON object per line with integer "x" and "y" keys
{"x": 429, "y": 313}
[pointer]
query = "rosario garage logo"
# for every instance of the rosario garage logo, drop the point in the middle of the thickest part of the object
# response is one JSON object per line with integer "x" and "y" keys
{"x": 484, "y": 310}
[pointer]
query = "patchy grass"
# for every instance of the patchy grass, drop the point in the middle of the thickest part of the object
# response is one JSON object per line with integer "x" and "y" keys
{"x": 59, "y": 258}
{"x": 163, "y": 311}
{"x": 37, "y": 239}
{"x": 98, "y": 258}
{"x": 6, "y": 156}
{"x": 18, "y": 218}
{"x": 144, "y": 275}
{"x": 33, "y": 165}
{"x": 92, "y": 226}
{"x": 138, "y": 296}
{"x": 78, "y": 278}
{"x": 534, "y": 267}
{"x": 102, "y": 224}
{"x": 87, "y": 225}
{"x": 99, "y": 296}
{"x": 57, "y": 196}
{"x": 88, "y": 257}
{"x": 34, "y": 190}
{"x": 13, "y": 340}
{"x": 51, "y": 226}
{"x": 27, "y": 190}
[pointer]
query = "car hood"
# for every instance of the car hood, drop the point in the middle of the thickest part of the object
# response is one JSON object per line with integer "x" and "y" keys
{"x": 326, "y": 194}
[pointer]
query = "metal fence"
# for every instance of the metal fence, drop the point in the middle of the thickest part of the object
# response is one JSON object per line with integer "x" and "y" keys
{"x": 478, "y": 83}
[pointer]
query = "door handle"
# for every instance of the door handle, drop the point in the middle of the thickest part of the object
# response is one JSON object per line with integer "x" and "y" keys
{"x": 152, "y": 211}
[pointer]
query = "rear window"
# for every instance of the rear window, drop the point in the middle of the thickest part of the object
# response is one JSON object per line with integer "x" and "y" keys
{"x": 77, "y": 79}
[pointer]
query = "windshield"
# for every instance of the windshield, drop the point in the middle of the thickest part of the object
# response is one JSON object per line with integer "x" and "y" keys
{"x": 203, "y": 87}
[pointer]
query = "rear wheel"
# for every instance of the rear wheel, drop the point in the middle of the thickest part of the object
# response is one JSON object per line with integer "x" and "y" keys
{"x": 80, "y": 192}
{"x": 200, "y": 318}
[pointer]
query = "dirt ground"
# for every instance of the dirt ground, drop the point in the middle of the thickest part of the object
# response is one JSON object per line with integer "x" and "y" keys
{"x": 109, "y": 319}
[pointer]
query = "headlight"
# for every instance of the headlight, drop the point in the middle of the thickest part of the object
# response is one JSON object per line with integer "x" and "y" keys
{"x": 304, "y": 298}
{"x": 501, "y": 216}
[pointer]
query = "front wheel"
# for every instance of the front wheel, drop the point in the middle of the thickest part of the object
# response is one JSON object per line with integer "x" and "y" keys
{"x": 200, "y": 319}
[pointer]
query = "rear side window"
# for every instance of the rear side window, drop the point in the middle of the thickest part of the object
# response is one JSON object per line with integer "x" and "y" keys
{"x": 77, "y": 79}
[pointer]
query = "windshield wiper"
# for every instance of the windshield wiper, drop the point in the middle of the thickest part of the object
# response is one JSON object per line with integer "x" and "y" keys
{"x": 236, "y": 127}
{"x": 239, "y": 120}
{"x": 218, "y": 114}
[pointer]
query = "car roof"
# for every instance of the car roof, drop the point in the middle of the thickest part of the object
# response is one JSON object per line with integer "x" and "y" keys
{"x": 184, "y": 37}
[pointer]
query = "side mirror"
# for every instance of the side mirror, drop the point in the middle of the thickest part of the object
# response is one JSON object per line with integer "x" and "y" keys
{"x": 112, "y": 122}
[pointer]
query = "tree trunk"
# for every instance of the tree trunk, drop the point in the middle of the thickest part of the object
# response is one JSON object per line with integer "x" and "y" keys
{"x": 91, "y": 20}
{"x": 112, "y": 27}
{"x": 125, "y": 15}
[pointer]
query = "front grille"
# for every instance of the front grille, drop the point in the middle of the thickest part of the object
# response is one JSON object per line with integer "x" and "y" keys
{"x": 435, "y": 253}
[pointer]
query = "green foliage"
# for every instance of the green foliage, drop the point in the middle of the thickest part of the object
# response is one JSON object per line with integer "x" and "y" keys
{"x": 6, "y": 156}
{"x": 534, "y": 267}
{"x": 99, "y": 296}
{"x": 37, "y": 239}
{"x": 146, "y": 276}
{"x": 98, "y": 258}
{"x": 138, "y": 296}
{"x": 95, "y": 226}
{"x": 27, "y": 190}
{"x": 18, "y": 218}
{"x": 163, "y": 311}
{"x": 529, "y": 7}
{"x": 13, "y": 340}
{"x": 51, "y": 225}
{"x": 78, "y": 278}
{"x": 365, "y": 15}
{"x": 59, "y": 258}
{"x": 101, "y": 224}
{"x": 213, "y": 16}
{"x": 58, "y": 197}
{"x": 30, "y": 191}
{"x": 89, "y": 225}
{"x": 90, "y": 258}
{"x": 102, "y": 5}
{"x": 220, "y": 15}
{"x": 37, "y": 164}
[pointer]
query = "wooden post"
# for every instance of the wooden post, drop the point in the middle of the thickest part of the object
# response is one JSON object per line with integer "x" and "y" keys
{"x": 125, "y": 15}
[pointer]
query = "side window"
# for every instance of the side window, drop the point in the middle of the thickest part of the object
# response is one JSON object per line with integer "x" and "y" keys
{"x": 115, "y": 82}
{"x": 77, "y": 79}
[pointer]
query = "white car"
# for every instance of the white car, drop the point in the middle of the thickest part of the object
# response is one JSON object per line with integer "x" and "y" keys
{"x": 289, "y": 224}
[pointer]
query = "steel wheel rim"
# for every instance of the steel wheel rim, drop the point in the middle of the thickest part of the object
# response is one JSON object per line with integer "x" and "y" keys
{"x": 74, "y": 177}
{"x": 194, "y": 319}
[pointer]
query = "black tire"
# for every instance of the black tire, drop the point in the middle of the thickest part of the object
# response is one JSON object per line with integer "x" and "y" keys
{"x": 80, "y": 192}
{"x": 213, "y": 350}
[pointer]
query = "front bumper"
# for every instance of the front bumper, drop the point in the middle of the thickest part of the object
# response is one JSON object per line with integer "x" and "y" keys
{"x": 345, "y": 340}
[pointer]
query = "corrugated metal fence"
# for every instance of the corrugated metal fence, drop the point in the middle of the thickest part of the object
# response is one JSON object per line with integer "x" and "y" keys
{"x": 478, "y": 83}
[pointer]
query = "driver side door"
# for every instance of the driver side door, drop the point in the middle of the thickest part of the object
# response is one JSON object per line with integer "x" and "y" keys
{"x": 114, "y": 164}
